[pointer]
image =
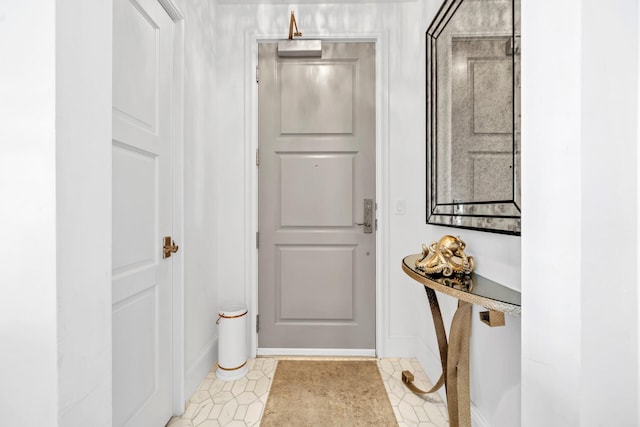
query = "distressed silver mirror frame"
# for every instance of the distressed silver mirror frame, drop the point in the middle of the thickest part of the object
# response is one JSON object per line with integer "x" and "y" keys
{"x": 497, "y": 207}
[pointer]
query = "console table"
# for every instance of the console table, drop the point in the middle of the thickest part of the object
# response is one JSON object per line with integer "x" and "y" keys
{"x": 454, "y": 355}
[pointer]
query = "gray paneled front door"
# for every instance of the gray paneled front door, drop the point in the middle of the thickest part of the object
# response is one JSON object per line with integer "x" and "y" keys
{"x": 317, "y": 166}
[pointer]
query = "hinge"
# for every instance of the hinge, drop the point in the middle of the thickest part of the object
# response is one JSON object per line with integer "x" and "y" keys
{"x": 257, "y": 240}
{"x": 257, "y": 157}
{"x": 257, "y": 323}
{"x": 257, "y": 74}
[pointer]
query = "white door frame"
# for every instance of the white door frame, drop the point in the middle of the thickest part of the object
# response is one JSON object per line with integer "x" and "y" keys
{"x": 177, "y": 17}
{"x": 177, "y": 328}
{"x": 252, "y": 38}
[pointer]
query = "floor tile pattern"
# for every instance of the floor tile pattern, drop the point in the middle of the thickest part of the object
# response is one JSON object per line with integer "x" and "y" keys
{"x": 240, "y": 403}
{"x": 410, "y": 409}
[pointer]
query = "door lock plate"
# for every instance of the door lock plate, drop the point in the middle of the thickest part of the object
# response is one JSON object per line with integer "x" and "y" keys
{"x": 367, "y": 221}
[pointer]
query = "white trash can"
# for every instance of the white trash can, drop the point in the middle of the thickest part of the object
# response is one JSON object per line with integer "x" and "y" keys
{"x": 232, "y": 352}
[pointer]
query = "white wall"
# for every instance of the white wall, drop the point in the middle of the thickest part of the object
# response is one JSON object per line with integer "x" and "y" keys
{"x": 28, "y": 215}
{"x": 609, "y": 211}
{"x": 551, "y": 179}
{"x": 580, "y": 279}
{"x": 201, "y": 206}
{"x": 408, "y": 330}
{"x": 83, "y": 211}
{"x": 55, "y": 106}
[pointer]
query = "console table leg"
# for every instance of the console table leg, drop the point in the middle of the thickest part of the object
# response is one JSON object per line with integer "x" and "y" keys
{"x": 454, "y": 357}
{"x": 441, "y": 335}
{"x": 438, "y": 325}
{"x": 458, "y": 390}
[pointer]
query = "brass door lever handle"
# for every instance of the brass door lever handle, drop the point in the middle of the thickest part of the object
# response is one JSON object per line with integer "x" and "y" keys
{"x": 169, "y": 247}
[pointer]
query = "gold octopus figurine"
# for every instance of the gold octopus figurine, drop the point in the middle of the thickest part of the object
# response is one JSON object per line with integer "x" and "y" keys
{"x": 446, "y": 257}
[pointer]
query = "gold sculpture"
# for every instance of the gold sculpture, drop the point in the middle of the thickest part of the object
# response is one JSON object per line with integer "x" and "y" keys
{"x": 445, "y": 257}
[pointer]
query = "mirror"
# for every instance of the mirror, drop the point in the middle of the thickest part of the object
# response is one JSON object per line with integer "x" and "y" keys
{"x": 473, "y": 116}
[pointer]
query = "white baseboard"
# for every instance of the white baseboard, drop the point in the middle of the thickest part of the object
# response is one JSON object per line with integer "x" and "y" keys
{"x": 348, "y": 352}
{"x": 476, "y": 417}
{"x": 202, "y": 365}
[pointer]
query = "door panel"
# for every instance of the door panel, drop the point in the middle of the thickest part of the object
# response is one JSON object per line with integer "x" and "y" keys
{"x": 142, "y": 213}
{"x": 325, "y": 105}
{"x": 134, "y": 245}
{"x": 134, "y": 351}
{"x": 316, "y": 190}
{"x": 325, "y": 294}
{"x": 135, "y": 59}
{"x": 317, "y": 164}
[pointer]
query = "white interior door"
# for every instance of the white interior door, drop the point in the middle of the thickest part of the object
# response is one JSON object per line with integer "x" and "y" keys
{"x": 143, "y": 37}
{"x": 317, "y": 167}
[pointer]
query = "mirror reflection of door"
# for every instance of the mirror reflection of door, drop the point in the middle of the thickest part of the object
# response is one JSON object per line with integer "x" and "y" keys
{"x": 481, "y": 119}
{"x": 473, "y": 115}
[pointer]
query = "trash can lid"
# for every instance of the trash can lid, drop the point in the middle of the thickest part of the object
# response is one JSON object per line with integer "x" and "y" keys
{"x": 233, "y": 311}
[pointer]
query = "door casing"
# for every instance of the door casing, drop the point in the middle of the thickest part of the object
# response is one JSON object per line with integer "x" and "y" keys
{"x": 382, "y": 177}
{"x": 179, "y": 398}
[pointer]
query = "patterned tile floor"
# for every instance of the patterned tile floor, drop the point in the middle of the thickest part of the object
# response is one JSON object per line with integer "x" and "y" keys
{"x": 240, "y": 403}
